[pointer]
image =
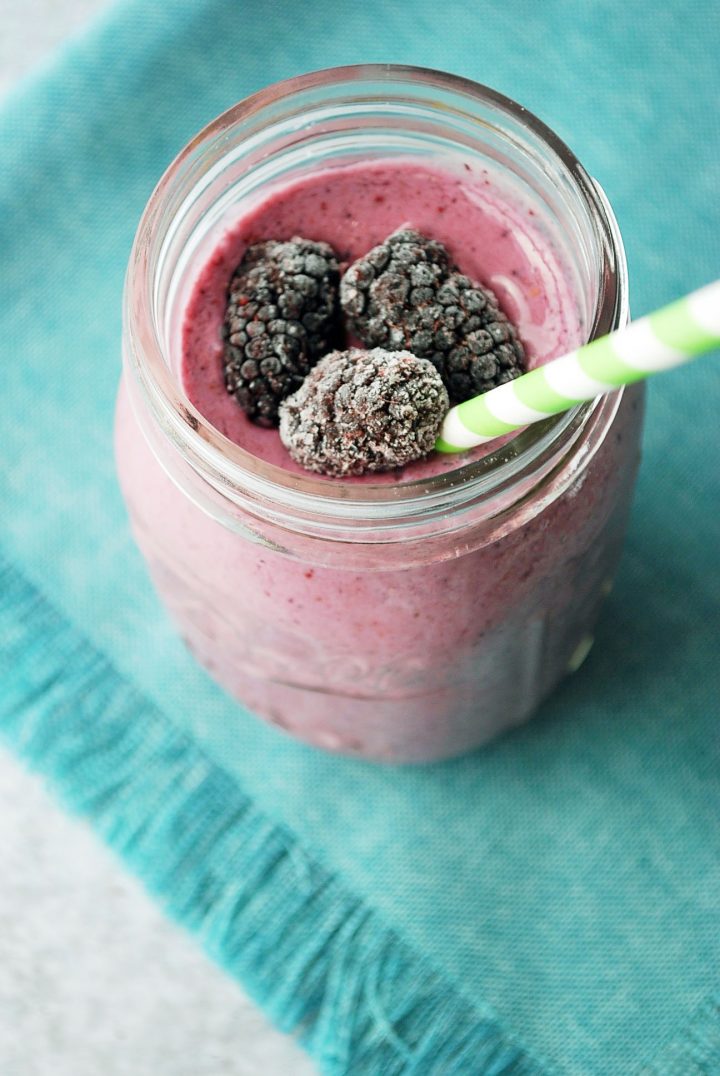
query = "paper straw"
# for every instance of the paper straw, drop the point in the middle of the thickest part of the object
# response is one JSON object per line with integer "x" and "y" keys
{"x": 671, "y": 336}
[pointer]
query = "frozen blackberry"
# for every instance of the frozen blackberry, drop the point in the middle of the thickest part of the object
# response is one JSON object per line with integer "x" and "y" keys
{"x": 406, "y": 293}
{"x": 359, "y": 411}
{"x": 281, "y": 316}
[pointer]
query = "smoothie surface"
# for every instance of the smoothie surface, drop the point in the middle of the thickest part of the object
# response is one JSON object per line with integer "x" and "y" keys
{"x": 492, "y": 238}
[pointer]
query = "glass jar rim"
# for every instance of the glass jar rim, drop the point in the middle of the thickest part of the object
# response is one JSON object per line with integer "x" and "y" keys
{"x": 227, "y": 465}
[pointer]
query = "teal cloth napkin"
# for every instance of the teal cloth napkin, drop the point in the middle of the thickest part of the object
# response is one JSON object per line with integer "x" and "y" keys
{"x": 548, "y": 905}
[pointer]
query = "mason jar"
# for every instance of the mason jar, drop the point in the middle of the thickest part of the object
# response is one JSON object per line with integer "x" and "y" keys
{"x": 407, "y": 621}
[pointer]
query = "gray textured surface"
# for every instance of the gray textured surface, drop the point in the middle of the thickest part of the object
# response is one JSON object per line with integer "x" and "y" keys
{"x": 31, "y": 29}
{"x": 93, "y": 980}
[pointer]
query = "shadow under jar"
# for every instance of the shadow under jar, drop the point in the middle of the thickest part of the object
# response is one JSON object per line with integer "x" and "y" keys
{"x": 408, "y": 620}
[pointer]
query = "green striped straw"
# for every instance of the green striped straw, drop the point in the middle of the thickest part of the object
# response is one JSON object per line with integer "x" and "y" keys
{"x": 669, "y": 337}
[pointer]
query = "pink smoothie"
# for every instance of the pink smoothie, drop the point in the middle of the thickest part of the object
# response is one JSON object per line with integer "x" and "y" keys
{"x": 353, "y": 209}
{"x": 396, "y": 661}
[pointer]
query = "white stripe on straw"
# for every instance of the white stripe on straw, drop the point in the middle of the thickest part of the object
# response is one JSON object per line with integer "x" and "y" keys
{"x": 671, "y": 336}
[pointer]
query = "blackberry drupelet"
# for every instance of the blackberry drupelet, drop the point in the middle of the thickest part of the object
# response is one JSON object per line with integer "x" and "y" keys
{"x": 361, "y": 411}
{"x": 281, "y": 316}
{"x": 407, "y": 294}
